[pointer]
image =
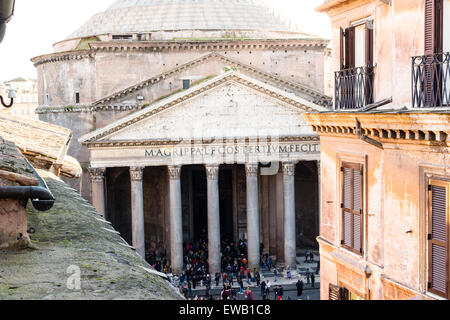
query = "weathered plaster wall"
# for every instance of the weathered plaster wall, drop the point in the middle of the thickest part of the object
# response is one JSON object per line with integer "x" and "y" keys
{"x": 398, "y": 35}
{"x": 394, "y": 234}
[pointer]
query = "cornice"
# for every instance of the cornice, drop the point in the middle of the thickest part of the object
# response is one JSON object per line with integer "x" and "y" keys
{"x": 241, "y": 44}
{"x": 416, "y": 128}
{"x": 159, "y": 46}
{"x": 63, "y": 56}
{"x": 190, "y": 142}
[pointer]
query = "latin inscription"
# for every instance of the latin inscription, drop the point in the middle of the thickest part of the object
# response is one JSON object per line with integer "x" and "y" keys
{"x": 233, "y": 150}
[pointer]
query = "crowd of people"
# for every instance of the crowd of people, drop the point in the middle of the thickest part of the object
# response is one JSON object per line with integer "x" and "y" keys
{"x": 234, "y": 270}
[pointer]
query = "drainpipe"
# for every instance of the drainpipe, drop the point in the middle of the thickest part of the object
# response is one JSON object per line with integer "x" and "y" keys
{"x": 366, "y": 138}
{"x": 41, "y": 196}
{"x": 6, "y": 13}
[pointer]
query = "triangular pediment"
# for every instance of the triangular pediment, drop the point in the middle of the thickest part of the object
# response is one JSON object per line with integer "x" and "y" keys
{"x": 229, "y": 106}
{"x": 207, "y": 65}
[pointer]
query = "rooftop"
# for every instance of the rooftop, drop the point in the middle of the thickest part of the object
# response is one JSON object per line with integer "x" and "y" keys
{"x": 40, "y": 141}
{"x": 140, "y": 16}
{"x": 73, "y": 234}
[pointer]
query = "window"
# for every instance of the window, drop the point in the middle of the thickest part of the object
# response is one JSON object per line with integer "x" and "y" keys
{"x": 438, "y": 240}
{"x": 122, "y": 37}
{"x": 77, "y": 97}
{"x": 354, "y": 82}
{"x": 357, "y": 46}
{"x": 352, "y": 207}
{"x": 186, "y": 84}
{"x": 341, "y": 293}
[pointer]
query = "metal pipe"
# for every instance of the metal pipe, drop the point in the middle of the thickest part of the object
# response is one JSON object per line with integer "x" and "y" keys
{"x": 6, "y": 10}
{"x": 41, "y": 196}
{"x": 6, "y": 13}
{"x": 365, "y": 138}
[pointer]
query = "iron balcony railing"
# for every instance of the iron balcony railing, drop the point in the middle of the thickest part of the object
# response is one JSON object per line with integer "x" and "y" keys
{"x": 431, "y": 81}
{"x": 353, "y": 88}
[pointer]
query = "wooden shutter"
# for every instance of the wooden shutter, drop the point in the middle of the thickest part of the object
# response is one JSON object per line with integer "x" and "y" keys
{"x": 369, "y": 44}
{"x": 334, "y": 292}
{"x": 434, "y": 13}
{"x": 350, "y": 48}
{"x": 352, "y": 207}
{"x": 438, "y": 222}
{"x": 342, "y": 49}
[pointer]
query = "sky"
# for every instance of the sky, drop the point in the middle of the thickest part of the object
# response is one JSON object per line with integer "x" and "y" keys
{"x": 38, "y": 24}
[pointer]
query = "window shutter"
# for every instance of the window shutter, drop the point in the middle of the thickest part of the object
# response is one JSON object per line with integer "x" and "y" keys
{"x": 357, "y": 210}
{"x": 430, "y": 10}
{"x": 347, "y": 207}
{"x": 369, "y": 44}
{"x": 342, "y": 49}
{"x": 334, "y": 292}
{"x": 352, "y": 207}
{"x": 438, "y": 238}
{"x": 350, "y": 48}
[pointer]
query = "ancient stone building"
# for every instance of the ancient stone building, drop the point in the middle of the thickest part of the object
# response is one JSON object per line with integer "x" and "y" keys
{"x": 189, "y": 117}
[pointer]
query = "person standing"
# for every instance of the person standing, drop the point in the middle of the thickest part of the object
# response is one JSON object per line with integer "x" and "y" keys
{"x": 258, "y": 279}
{"x": 248, "y": 294}
{"x": 308, "y": 276}
{"x": 263, "y": 289}
{"x": 217, "y": 278}
{"x": 299, "y": 286}
{"x": 275, "y": 274}
{"x": 241, "y": 285}
{"x": 268, "y": 288}
{"x": 270, "y": 263}
{"x": 313, "y": 280}
{"x": 190, "y": 289}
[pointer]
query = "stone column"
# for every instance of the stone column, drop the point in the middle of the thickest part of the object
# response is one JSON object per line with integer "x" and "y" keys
{"x": 212, "y": 173}
{"x": 290, "y": 239}
{"x": 98, "y": 189}
{"x": 252, "y": 216}
{"x": 176, "y": 220}
{"x": 137, "y": 210}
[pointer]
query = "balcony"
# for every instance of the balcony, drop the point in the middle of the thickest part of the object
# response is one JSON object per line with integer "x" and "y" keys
{"x": 353, "y": 88}
{"x": 431, "y": 81}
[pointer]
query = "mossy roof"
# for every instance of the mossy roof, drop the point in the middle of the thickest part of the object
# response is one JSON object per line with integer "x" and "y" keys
{"x": 73, "y": 234}
{"x": 12, "y": 160}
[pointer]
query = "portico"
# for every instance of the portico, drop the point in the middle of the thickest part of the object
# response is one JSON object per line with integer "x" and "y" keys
{"x": 225, "y": 151}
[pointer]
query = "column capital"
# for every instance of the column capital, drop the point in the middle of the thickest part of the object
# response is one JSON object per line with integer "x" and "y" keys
{"x": 212, "y": 171}
{"x": 251, "y": 169}
{"x": 136, "y": 173}
{"x": 289, "y": 168}
{"x": 97, "y": 174}
{"x": 174, "y": 172}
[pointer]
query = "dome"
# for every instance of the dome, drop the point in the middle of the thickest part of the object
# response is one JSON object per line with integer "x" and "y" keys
{"x": 141, "y": 16}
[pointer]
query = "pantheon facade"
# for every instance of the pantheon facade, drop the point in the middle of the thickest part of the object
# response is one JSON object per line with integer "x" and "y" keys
{"x": 189, "y": 121}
